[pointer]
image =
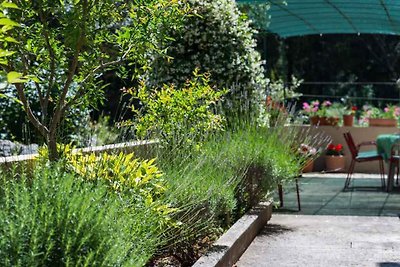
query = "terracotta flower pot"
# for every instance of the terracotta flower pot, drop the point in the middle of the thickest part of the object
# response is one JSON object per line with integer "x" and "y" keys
{"x": 335, "y": 163}
{"x": 314, "y": 120}
{"x": 348, "y": 120}
{"x": 309, "y": 166}
{"x": 382, "y": 122}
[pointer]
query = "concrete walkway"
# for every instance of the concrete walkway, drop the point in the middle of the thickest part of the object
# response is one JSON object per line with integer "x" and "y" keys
{"x": 306, "y": 240}
{"x": 303, "y": 239}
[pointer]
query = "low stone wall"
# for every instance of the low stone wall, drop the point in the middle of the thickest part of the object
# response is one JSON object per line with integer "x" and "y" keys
{"x": 360, "y": 134}
{"x": 231, "y": 245}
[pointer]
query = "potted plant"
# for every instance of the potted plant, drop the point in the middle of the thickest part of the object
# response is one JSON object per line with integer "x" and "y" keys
{"x": 377, "y": 117}
{"x": 334, "y": 159}
{"x": 348, "y": 115}
{"x": 308, "y": 154}
{"x": 311, "y": 111}
{"x": 320, "y": 114}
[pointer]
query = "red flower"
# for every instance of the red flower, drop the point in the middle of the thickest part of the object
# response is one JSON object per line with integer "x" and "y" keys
{"x": 334, "y": 150}
{"x": 331, "y": 147}
{"x": 338, "y": 147}
{"x": 354, "y": 108}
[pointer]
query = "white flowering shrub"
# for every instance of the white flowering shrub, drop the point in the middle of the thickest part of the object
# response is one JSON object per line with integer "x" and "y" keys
{"x": 216, "y": 39}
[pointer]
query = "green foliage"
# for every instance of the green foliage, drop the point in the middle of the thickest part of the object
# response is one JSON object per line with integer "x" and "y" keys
{"x": 65, "y": 46}
{"x": 5, "y": 37}
{"x": 56, "y": 219}
{"x": 139, "y": 181}
{"x": 171, "y": 113}
{"x": 231, "y": 172}
{"x": 216, "y": 39}
{"x": 122, "y": 172}
{"x": 98, "y": 133}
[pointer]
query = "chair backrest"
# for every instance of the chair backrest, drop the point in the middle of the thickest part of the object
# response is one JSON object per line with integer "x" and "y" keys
{"x": 351, "y": 144}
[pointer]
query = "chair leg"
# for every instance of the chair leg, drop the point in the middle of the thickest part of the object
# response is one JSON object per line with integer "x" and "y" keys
{"x": 391, "y": 169}
{"x": 280, "y": 191}
{"x": 298, "y": 194}
{"x": 349, "y": 173}
{"x": 397, "y": 174}
{"x": 382, "y": 170}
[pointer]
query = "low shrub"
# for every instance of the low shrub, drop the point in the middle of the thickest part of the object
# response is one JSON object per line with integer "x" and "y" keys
{"x": 138, "y": 181}
{"x": 178, "y": 115}
{"x": 57, "y": 219}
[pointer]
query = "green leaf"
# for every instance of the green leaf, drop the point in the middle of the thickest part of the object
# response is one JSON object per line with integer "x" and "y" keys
{"x": 15, "y": 77}
{"x": 17, "y": 100}
{"x": 6, "y": 4}
{"x": 33, "y": 78}
{"x": 10, "y": 39}
{"x": 5, "y": 53}
{"x": 8, "y": 22}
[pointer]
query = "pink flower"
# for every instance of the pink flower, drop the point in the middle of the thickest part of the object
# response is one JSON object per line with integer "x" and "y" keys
{"x": 315, "y": 109}
{"x": 315, "y": 103}
{"x": 397, "y": 111}
{"x": 326, "y": 103}
{"x": 386, "y": 109}
{"x": 306, "y": 107}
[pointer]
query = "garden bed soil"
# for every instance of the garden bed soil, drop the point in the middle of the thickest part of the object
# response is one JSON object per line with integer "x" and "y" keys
{"x": 186, "y": 257}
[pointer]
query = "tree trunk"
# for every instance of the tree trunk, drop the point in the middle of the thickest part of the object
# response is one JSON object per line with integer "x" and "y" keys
{"x": 52, "y": 143}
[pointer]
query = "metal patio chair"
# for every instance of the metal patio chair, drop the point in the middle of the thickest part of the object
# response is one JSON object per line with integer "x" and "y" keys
{"x": 364, "y": 156}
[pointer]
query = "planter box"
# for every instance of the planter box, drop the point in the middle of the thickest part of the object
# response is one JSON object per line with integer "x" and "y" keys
{"x": 382, "y": 122}
{"x": 332, "y": 121}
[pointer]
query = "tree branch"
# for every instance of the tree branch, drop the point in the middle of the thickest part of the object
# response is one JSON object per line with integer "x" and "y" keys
{"x": 81, "y": 89}
{"x": 71, "y": 72}
{"x": 32, "y": 118}
{"x": 52, "y": 63}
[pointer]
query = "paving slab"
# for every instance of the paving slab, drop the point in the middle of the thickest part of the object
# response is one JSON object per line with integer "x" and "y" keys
{"x": 317, "y": 240}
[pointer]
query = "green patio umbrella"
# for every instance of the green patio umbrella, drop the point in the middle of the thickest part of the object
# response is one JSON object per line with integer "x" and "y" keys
{"x": 305, "y": 17}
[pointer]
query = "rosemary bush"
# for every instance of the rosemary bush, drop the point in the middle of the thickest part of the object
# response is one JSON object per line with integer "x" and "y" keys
{"x": 56, "y": 219}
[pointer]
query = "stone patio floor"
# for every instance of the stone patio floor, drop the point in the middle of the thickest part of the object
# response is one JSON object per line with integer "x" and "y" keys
{"x": 322, "y": 194}
{"x": 360, "y": 227}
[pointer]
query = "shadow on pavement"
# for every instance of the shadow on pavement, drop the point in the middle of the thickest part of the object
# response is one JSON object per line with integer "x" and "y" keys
{"x": 274, "y": 230}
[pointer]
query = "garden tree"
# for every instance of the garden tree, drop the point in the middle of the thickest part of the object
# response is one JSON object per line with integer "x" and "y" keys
{"x": 7, "y": 25}
{"x": 63, "y": 47}
{"x": 216, "y": 39}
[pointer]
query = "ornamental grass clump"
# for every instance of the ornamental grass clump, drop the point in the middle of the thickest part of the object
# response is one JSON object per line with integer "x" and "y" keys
{"x": 57, "y": 219}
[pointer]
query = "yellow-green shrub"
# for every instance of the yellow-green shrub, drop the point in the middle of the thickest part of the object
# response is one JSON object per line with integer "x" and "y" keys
{"x": 139, "y": 181}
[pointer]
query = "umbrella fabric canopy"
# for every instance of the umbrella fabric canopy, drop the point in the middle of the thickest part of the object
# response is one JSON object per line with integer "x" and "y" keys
{"x": 305, "y": 17}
